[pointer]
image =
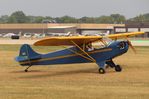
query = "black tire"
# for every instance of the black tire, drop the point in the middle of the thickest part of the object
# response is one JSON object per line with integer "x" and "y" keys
{"x": 118, "y": 68}
{"x": 26, "y": 70}
{"x": 101, "y": 71}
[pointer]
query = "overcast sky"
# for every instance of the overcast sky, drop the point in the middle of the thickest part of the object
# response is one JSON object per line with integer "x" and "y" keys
{"x": 75, "y": 8}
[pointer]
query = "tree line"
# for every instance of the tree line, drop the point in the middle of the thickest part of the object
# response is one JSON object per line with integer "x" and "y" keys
{"x": 21, "y": 17}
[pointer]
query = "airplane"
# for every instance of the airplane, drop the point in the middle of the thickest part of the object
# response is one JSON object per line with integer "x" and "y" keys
{"x": 80, "y": 51}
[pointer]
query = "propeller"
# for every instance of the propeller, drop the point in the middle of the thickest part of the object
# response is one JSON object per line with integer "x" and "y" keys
{"x": 130, "y": 44}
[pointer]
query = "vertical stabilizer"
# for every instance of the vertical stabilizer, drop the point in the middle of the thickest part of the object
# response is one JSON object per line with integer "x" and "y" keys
{"x": 27, "y": 53}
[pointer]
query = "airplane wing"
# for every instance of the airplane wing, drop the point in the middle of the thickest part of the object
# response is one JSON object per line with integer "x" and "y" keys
{"x": 79, "y": 40}
{"x": 124, "y": 35}
{"x": 58, "y": 41}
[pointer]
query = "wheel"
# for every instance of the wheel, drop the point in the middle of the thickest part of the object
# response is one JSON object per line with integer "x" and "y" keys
{"x": 118, "y": 68}
{"x": 26, "y": 70}
{"x": 101, "y": 71}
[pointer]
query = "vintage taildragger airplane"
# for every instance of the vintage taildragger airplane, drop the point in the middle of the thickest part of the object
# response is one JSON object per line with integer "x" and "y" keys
{"x": 81, "y": 51}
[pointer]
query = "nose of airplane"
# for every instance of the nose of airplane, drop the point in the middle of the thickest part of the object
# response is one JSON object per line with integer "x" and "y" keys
{"x": 123, "y": 47}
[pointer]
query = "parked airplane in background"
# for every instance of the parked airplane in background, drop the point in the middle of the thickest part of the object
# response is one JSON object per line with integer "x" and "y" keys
{"x": 62, "y": 34}
{"x": 81, "y": 52}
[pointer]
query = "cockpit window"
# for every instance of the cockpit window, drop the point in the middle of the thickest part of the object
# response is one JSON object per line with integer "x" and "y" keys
{"x": 98, "y": 45}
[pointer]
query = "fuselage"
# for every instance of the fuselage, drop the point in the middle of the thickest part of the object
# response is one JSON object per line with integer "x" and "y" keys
{"x": 69, "y": 56}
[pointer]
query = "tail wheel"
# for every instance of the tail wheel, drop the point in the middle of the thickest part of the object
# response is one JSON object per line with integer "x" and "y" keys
{"x": 26, "y": 70}
{"x": 101, "y": 71}
{"x": 118, "y": 68}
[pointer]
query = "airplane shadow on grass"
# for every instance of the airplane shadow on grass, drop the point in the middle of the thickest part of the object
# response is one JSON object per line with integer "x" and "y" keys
{"x": 43, "y": 74}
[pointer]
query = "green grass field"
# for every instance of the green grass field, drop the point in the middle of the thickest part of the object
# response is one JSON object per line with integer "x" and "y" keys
{"x": 75, "y": 81}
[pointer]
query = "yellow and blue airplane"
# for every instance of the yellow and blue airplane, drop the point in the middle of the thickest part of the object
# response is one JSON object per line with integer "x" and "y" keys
{"x": 81, "y": 51}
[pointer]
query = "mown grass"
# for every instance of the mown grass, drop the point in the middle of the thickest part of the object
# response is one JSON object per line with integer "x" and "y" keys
{"x": 75, "y": 81}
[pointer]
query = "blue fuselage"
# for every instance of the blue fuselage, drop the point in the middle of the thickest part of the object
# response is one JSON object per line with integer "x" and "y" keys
{"x": 69, "y": 56}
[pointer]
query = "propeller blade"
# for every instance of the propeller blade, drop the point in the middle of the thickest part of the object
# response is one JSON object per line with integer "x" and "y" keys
{"x": 129, "y": 43}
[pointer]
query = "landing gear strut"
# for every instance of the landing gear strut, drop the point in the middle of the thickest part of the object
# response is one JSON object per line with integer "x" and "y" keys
{"x": 113, "y": 65}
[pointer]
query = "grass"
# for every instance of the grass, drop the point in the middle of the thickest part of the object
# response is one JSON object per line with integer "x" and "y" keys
{"x": 75, "y": 81}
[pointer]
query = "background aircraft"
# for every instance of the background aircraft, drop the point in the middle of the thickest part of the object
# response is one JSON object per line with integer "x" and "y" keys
{"x": 81, "y": 51}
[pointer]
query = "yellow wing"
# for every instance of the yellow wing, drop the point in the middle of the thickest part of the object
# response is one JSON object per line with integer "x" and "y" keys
{"x": 79, "y": 40}
{"x": 58, "y": 41}
{"x": 124, "y": 35}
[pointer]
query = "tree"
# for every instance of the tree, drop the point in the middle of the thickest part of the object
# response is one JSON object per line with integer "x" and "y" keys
{"x": 48, "y": 19}
{"x": 18, "y": 17}
{"x": 38, "y": 19}
{"x": 141, "y": 18}
{"x": 146, "y": 17}
{"x": 117, "y": 18}
{"x": 87, "y": 20}
{"x": 4, "y": 19}
{"x": 104, "y": 19}
{"x": 66, "y": 19}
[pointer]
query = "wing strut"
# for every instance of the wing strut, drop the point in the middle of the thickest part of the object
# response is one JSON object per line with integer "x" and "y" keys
{"x": 83, "y": 51}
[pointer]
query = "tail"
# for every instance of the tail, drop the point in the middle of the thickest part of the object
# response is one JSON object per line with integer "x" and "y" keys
{"x": 27, "y": 54}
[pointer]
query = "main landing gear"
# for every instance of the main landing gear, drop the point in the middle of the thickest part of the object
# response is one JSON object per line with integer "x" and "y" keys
{"x": 116, "y": 67}
{"x": 109, "y": 63}
{"x": 113, "y": 65}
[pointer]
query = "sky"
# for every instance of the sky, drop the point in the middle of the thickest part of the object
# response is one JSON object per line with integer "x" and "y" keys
{"x": 75, "y": 8}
